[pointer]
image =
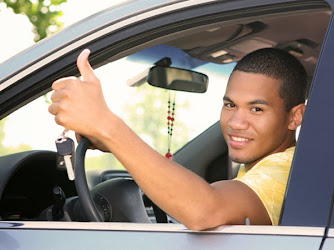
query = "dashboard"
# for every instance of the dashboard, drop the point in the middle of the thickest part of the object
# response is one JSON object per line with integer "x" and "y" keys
{"x": 27, "y": 180}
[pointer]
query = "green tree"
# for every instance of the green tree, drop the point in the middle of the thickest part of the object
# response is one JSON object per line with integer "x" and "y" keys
{"x": 43, "y": 14}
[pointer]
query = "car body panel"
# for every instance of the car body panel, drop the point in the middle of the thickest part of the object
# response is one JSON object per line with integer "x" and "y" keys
{"x": 143, "y": 236}
{"x": 307, "y": 190}
{"x": 329, "y": 244}
{"x": 308, "y": 197}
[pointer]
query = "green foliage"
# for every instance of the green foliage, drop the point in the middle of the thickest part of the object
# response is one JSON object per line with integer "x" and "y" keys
{"x": 43, "y": 14}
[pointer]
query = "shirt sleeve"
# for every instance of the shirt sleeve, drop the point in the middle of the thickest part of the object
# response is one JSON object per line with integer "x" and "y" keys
{"x": 268, "y": 179}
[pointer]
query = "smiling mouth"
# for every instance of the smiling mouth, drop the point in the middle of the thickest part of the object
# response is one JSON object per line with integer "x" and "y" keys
{"x": 239, "y": 139}
{"x": 237, "y": 142}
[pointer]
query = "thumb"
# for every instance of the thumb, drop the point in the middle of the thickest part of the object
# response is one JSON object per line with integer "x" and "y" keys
{"x": 84, "y": 67}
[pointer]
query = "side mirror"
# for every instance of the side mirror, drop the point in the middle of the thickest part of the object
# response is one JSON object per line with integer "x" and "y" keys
{"x": 177, "y": 79}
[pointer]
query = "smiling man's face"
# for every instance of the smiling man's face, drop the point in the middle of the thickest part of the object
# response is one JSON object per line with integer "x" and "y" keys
{"x": 253, "y": 119}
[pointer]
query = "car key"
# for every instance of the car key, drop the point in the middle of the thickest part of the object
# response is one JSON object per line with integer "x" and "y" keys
{"x": 65, "y": 154}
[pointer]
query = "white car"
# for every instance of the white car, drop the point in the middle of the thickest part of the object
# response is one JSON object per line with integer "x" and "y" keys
{"x": 103, "y": 208}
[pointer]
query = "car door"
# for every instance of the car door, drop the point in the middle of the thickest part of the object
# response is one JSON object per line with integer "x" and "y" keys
{"x": 311, "y": 180}
{"x": 310, "y": 188}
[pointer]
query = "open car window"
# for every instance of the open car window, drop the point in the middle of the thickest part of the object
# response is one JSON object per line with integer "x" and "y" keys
{"x": 143, "y": 107}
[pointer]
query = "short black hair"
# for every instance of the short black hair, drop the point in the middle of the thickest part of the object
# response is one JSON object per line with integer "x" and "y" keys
{"x": 281, "y": 65}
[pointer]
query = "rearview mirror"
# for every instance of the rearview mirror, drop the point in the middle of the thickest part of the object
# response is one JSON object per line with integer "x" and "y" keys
{"x": 177, "y": 79}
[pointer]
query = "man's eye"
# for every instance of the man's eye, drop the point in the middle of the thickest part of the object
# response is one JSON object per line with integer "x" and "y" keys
{"x": 257, "y": 109}
{"x": 229, "y": 105}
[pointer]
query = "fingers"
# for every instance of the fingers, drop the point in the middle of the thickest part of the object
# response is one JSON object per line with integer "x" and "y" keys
{"x": 57, "y": 96}
{"x": 63, "y": 82}
{"x": 78, "y": 137}
{"x": 61, "y": 99}
{"x": 53, "y": 108}
{"x": 60, "y": 93}
{"x": 85, "y": 68}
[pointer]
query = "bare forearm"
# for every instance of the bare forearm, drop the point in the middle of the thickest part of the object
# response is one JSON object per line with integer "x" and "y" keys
{"x": 175, "y": 189}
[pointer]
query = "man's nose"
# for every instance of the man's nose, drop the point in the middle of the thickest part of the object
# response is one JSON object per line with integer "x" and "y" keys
{"x": 238, "y": 120}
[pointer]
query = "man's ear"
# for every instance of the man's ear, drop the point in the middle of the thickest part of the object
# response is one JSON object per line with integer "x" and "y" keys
{"x": 296, "y": 116}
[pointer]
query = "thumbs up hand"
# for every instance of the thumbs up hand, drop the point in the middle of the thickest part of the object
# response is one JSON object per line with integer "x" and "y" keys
{"x": 79, "y": 105}
{"x": 85, "y": 69}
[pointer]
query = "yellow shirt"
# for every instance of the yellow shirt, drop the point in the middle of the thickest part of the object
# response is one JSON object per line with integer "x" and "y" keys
{"x": 268, "y": 179}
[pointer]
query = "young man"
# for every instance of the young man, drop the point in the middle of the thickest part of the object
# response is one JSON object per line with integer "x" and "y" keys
{"x": 263, "y": 106}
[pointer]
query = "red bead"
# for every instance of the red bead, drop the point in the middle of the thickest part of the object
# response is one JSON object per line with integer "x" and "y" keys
{"x": 169, "y": 156}
{"x": 172, "y": 119}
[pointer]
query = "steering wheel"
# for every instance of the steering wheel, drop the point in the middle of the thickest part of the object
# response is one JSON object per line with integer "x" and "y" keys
{"x": 117, "y": 200}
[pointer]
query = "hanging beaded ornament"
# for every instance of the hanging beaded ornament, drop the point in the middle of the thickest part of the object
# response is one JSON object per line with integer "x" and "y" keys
{"x": 170, "y": 124}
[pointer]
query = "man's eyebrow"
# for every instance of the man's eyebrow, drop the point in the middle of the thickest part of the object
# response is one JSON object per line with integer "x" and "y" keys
{"x": 226, "y": 98}
{"x": 259, "y": 101}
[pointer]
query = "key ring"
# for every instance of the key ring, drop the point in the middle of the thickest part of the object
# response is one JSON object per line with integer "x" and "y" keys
{"x": 63, "y": 136}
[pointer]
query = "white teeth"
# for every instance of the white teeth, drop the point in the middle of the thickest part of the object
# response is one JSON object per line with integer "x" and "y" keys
{"x": 239, "y": 138}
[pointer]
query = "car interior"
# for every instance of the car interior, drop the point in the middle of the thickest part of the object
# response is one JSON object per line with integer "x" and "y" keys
{"x": 202, "y": 44}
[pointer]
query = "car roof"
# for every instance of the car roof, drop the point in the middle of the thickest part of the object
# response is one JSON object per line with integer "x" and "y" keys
{"x": 82, "y": 29}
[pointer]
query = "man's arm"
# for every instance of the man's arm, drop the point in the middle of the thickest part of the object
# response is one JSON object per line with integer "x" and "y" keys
{"x": 80, "y": 106}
